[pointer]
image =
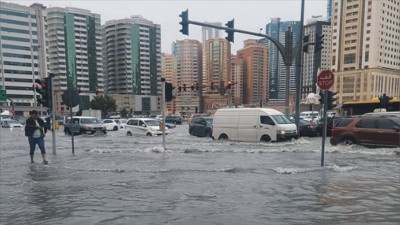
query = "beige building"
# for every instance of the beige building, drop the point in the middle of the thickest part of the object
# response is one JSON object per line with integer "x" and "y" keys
{"x": 365, "y": 48}
{"x": 189, "y": 72}
{"x": 254, "y": 58}
{"x": 169, "y": 72}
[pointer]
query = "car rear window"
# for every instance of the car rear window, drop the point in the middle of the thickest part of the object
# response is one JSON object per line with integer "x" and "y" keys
{"x": 343, "y": 122}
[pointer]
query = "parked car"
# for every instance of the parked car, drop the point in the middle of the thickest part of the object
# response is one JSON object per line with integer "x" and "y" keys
{"x": 201, "y": 127}
{"x": 367, "y": 130}
{"x": 11, "y": 124}
{"x": 173, "y": 119}
{"x": 83, "y": 125}
{"x": 110, "y": 124}
{"x": 144, "y": 126}
{"x": 330, "y": 122}
{"x": 307, "y": 128}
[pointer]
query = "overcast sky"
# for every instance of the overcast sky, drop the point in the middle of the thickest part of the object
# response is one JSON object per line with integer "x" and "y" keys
{"x": 249, "y": 15}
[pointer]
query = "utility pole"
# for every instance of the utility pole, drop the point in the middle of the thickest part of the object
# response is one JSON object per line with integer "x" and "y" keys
{"x": 300, "y": 60}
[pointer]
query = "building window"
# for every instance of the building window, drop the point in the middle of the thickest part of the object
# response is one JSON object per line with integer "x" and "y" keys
{"x": 349, "y": 58}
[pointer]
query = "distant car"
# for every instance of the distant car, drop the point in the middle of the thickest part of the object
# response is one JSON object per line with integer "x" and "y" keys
{"x": 144, "y": 126}
{"x": 173, "y": 119}
{"x": 307, "y": 128}
{"x": 367, "y": 130}
{"x": 201, "y": 126}
{"x": 330, "y": 122}
{"x": 11, "y": 124}
{"x": 110, "y": 124}
{"x": 83, "y": 125}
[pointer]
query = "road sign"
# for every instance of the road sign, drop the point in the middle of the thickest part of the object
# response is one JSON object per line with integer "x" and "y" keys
{"x": 325, "y": 79}
{"x": 3, "y": 96}
{"x": 70, "y": 97}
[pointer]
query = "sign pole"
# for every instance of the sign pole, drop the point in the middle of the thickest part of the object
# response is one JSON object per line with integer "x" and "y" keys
{"x": 324, "y": 129}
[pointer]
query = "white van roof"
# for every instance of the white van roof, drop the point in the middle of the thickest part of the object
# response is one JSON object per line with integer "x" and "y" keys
{"x": 266, "y": 110}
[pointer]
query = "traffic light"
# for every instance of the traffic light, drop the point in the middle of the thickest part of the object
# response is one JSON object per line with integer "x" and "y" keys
{"x": 197, "y": 86}
{"x": 185, "y": 22}
{"x": 43, "y": 88}
{"x": 184, "y": 87}
{"x": 331, "y": 100}
{"x": 229, "y": 86}
{"x": 212, "y": 85}
{"x": 318, "y": 42}
{"x": 168, "y": 92}
{"x": 384, "y": 100}
{"x": 321, "y": 98}
{"x": 230, "y": 24}
{"x": 97, "y": 90}
{"x": 179, "y": 88}
{"x": 192, "y": 87}
{"x": 306, "y": 40}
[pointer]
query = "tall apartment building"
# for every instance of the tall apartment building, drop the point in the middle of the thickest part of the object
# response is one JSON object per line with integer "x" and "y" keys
{"x": 22, "y": 52}
{"x": 206, "y": 34}
{"x": 218, "y": 73}
{"x": 237, "y": 78}
{"x": 254, "y": 57}
{"x": 189, "y": 71}
{"x": 169, "y": 72}
{"x": 365, "y": 48}
{"x": 132, "y": 60}
{"x": 75, "y": 53}
{"x": 277, "y": 70}
{"x": 315, "y": 61}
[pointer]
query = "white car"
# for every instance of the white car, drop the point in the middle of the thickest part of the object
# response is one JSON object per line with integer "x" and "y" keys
{"x": 11, "y": 124}
{"x": 121, "y": 123}
{"x": 144, "y": 126}
{"x": 110, "y": 124}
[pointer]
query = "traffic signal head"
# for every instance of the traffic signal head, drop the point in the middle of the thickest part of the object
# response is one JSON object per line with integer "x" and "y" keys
{"x": 229, "y": 86}
{"x": 321, "y": 98}
{"x": 192, "y": 87}
{"x": 197, "y": 86}
{"x": 319, "y": 41}
{"x": 331, "y": 100}
{"x": 230, "y": 24}
{"x": 184, "y": 87}
{"x": 306, "y": 40}
{"x": 179, "y": 88}
{"x": 168, "y": 92}
{"x": 212, "y": 85}
{"x": 43, "y": 88}
{"x": 185, "y": 22}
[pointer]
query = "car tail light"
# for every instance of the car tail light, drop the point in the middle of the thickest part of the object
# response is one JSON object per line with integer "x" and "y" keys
{"x": 309, "y": 126}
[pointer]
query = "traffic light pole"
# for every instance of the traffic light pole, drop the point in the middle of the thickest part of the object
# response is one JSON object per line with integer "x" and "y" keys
{"x": 286, "y": 52}
{"x": 324, "y": 127}
{"x": 162, "y": 110}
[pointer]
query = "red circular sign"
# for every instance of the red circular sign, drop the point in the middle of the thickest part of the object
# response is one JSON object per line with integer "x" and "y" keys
{"x": 325, "y": 79}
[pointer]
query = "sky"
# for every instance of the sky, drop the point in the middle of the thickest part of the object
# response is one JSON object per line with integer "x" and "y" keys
{"x": 249, "y": 15}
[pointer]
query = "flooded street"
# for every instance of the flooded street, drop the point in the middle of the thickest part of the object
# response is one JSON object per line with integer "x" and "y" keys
{"x": 117, "y": 179}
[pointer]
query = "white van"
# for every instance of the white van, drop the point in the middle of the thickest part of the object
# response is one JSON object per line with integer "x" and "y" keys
{"x": 144, "y": 126}
{"x": 253, "y": 125}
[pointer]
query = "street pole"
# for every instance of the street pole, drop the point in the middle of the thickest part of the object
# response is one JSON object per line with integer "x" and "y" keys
{"x": 300, "y": 59}
{"x": 288, "y": 63}
{"x": 162, "y": 110}
{"x": 324, "y": 128}
{"x": 71, "y": 124}
{"x": 53, "y": 110}
{"x": 287, "y": 90}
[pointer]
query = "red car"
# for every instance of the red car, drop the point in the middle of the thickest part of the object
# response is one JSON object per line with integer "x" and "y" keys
{"x": 369, "y": 131}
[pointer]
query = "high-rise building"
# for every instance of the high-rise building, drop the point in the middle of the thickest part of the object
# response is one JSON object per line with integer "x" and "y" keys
{"x": 218, "y": 73}
{"x": 237, "y": 79}
{"x": 132, "y": 60}
{"x": 169, "y": 72}
{"x": 329, "y": 10}
{"x": 277, "y": 70}
{"x": 315, "y": 61}
{"x": 75, "y": 53}
{"x": 365, "y": 49}
{"x": 189, "y": 74}
{"x": 22, "y": 52}
{"x": 208, "y": 33}
{"x": 254, "y": 57}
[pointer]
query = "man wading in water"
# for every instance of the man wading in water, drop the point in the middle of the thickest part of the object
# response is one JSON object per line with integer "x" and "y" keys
{"x": 35, "y": 130}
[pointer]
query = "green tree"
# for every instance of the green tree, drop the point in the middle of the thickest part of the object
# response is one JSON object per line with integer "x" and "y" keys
{"x": 124, "y": 113}
{"x": 105, "y": 103}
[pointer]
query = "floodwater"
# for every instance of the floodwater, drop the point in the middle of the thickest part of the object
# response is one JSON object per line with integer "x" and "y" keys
{"x": 117, "y": 179}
